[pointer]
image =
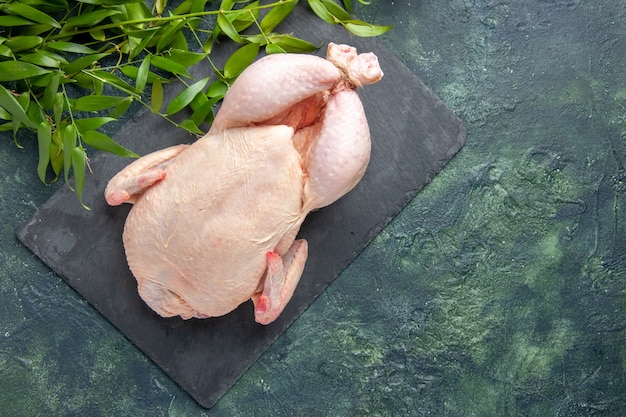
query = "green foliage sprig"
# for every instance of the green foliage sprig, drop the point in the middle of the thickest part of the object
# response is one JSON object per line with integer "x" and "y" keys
{"x": 69, "y": 67}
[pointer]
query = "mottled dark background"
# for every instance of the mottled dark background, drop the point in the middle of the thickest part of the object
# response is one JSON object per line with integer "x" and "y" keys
{"x": 499, "y": 291}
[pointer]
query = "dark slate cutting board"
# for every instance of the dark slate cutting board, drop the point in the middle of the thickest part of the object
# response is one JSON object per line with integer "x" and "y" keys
{"x": 413, "y": 136}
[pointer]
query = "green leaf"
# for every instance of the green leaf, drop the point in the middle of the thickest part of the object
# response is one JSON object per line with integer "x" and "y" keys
{"x": 70, "y": 47}
{"x": 288, "y": 43}
{"x": 17, "y": 70}
{"x": 186, "y": 58}
{"x": 217, "y": 89}
{"x": 121, "y": 108}
{"x": 321, "y": 11}
{"x": 365, "y": 29}
{"x": 109, "y": 2}
{"x": 227, "y": 27}
{"x": 10, "y": 21}
{"x": 115, "y": 81}
{"x": 185, "y": 97}
{"x": 50, "y": 91}
{"x": 240, "y": 60}
{"x": 132, "y": 71}
{"x": 336, "y": 10}
{"x": 31, "y": 13}
{"x": 96, "y": 103}
{"x": 157, "y": 96}
{"x": 169, "y": 65}
{"x": 11, "y": 105}
{"x": 136, "y": 49}
{"x": 44, "y": 138}
{"x": 68, "y": 135}
{"x": 204, "y": 112}
{"x": 40, "y": 59}
{"x": 246, "y": 17}
{"x": 22, "y": 43}
{"x": 190, "y": 127}
{"x": 79, "y": 161}
{"x": 58, "y": 105}
{"x": 171, "y": 30}
{"x": 5, "y": 51}
{"x": 142, "y": 73}
{"x": 89, "y": 19}
{"x": 103, "y": 142}
{"x": 91, "y": 123}
{"x": 276, "y": 15}
{"x": 98, "y": 34}
{"x": 83, "y": 62}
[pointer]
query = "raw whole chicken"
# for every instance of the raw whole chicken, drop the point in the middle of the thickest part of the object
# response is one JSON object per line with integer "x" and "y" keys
{"x": 214, "y": 223}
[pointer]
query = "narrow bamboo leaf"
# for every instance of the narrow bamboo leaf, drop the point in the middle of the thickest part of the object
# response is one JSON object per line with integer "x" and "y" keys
{"x": 89, "y": 18}
{"x": 288, "y": 43}
{"x": 22, "y": 43}
{"x": 70, "y": 47}
{"x": 246, "y": 17}
{"x": 115, "y": 81}
{"x": 96, "y": 103}
{"x": 91, "y": 123}
{"x": 157, "y": 96}
{"x": 56, "y": 158}
{"x": 11, "y": 105}
{"x": 132, "y": 71}
{"x": 98, "y": 34}
{"x": 83, "y": 62}
{"x": 5, "y": 51}
{"x": 227, "y": 4}
{"x": 336, "y": 10}
{"x": 109, "y": 2}
{"x": 348, "y": 5}
{"x": 321, "y": 11}
{"x": 121, "y": 108}
{"x": 137, "y": 11}
{"x": 5, "y": 115}
{"x": 183, "y": 8}
{"x": 6, "y": 127}
{"x": 190, "y": 127}
{"x": 204, "y": 112}
{"x": 88, "y": 82}
{"x": 186, "y": 58}
{"x": 17, "y": 70}
{"x": 79, "y": 161}
{"x": 41, "y": 60}
{"x": 58, "y": 105}
{"x": 217, "y": 89}
{"x": 50, "y": 91}
{"x": 69, "y": 142}
{"x": 159, "y": 5}
{"x": 103, "y": 142}
{"x": 169, "y": 65}
{"x": 227, "y": 27}
{"x": 44, "y": 139}
{"x": 240, "y": 59}
{"x": 276, "y": 15}
{"x": 10, "y": 21}
{"x": 168, "y": 35}
{"x": 35, "y": 113}
{"x": 146, "y": 37}
{"x": 31, "y": 13}
{"x": 364, "y": 29}
{"x": 142, "y": 73}
{"x": 185, "y": 97}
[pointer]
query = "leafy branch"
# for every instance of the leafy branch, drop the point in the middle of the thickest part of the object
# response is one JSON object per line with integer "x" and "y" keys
{"x": 68, "y": 67}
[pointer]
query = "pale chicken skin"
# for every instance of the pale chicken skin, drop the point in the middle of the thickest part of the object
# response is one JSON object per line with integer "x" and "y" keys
{"x": 214, "y": 223}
